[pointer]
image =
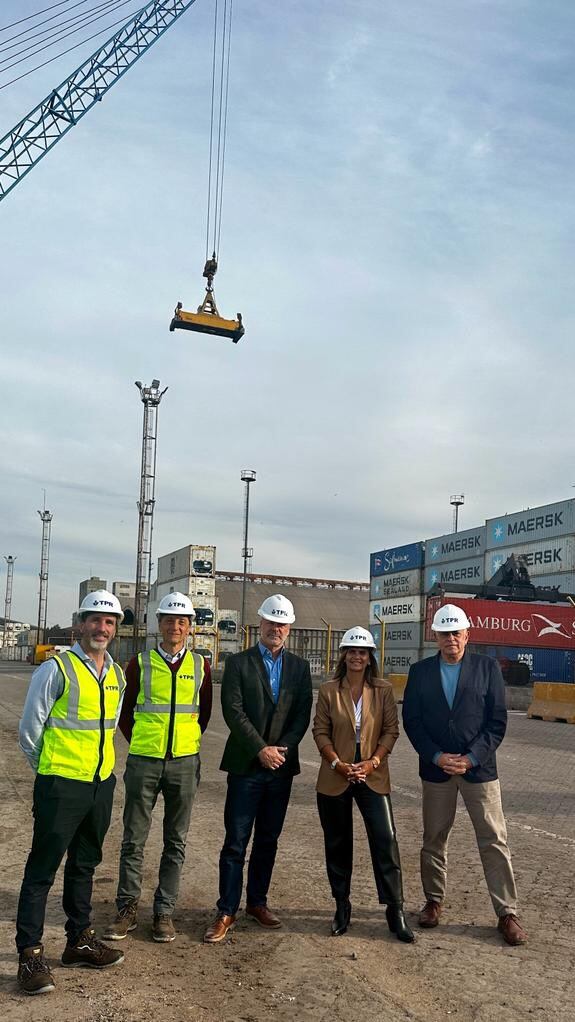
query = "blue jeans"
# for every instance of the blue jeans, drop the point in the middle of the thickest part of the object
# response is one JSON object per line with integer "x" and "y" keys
{"x": 261, "y": 800}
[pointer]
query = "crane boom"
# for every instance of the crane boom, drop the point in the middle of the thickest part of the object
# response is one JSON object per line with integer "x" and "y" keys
{"x": 25, "y": 145}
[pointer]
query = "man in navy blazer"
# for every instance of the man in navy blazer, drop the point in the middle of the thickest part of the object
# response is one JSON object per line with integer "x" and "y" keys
{"x": 455, "y": 717}
{"x": 266, "y": 702}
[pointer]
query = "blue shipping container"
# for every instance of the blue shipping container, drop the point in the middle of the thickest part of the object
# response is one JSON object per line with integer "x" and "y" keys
{"x": 399, "y": 558}
{"x": 544, "y": 664}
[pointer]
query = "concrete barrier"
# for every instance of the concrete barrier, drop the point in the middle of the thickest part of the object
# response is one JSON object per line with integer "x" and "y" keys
{"x": 553, "y": 701}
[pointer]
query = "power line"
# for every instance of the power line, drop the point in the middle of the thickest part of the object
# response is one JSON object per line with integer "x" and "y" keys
{"x": 79, "y": 20}
{"x": 30, "y": 28}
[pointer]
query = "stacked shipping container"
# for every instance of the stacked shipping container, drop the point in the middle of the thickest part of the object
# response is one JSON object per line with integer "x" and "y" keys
{"x": 543, "y": 539}
{"x": 396, "y": 580}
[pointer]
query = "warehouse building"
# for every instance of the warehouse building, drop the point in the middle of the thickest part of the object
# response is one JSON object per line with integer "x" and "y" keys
{"x": 324, "y": 608}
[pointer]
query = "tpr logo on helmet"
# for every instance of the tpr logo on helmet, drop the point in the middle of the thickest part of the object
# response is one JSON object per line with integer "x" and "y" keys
{"x": 448, "y": 620}
{"x": 278, "y": 612}
{"x": 174, "y": 603}
{"x": 103, "y": 603}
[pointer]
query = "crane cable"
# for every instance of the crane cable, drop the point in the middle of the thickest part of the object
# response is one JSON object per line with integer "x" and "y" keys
{"x": 69, "y": 49}
{"x": 52, "y": 36}
{"x": 218, "y": 125}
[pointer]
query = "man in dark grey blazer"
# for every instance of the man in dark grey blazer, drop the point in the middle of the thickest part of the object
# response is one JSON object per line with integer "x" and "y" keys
{"x": 266, "y": 701}
{"x": 455, "y": 717}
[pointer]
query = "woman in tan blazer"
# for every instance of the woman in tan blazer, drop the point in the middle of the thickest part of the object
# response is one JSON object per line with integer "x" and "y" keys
{"x": 355, "y": 729}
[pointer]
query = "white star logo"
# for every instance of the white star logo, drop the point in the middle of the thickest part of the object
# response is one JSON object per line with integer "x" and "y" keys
{"x": 434, "y": 577}
{"x": 498, "y": 532}
{"x": 497, "y": 562}
{"x": 434, "y": 551}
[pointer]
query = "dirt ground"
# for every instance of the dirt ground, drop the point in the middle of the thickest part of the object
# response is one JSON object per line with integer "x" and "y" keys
{"x": 461, "y": 970}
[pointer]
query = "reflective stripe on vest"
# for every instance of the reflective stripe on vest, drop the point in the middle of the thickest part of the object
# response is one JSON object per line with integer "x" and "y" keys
{"x": 152, "y": 712}
{"x": 78, "y": 740}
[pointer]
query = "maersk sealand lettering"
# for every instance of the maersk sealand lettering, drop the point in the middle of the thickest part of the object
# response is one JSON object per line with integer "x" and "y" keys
{"x": 549, "y": 521}
{"x": 461, "y": 574}
{"x": 399, "y": 608}
{"x": 550, "y": 556}
{"x": 453, "y": 546}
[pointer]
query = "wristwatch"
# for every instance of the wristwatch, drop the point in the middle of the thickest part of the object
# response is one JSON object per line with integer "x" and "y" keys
{"x": 334, "y": 763}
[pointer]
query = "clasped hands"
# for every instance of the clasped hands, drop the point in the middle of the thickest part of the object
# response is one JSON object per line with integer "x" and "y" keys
{"x": 454, "y": 764}
{"x": 356, "y": 773}
{"x": 272, "y": 756}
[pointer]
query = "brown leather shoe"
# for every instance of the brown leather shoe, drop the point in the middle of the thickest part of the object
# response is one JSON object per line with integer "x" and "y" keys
{"x": 511, "y": 930}
{"x": 263, "y": 916}
{"x": 219, "y": 929}
{"x": 429, "y": 915}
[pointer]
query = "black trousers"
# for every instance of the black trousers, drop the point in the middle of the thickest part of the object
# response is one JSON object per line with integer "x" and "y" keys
{"x": 336, "y": 816}
{"x": 252, "y": 803}
{"x": 73, "y": 817}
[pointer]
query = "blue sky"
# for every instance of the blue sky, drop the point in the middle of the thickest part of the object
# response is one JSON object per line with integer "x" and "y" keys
{"x": 398, "y": 235}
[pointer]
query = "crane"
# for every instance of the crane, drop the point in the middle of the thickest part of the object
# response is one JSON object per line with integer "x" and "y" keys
{"x": 39, "y": 131}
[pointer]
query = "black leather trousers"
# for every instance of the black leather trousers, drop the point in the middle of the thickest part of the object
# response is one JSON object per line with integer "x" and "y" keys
{"x": 336, "y": 816}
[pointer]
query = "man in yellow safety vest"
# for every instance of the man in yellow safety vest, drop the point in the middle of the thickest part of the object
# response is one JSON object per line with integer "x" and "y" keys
{"x": 166, "y": 709}
{"x": 67, "y": 734}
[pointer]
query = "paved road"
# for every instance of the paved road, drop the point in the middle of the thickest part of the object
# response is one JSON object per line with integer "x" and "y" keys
{"x": 461, "y": 970}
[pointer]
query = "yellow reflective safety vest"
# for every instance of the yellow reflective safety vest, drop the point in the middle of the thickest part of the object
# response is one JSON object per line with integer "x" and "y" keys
{"x": 163, "y": 698}
{"x": 78, "y": 738}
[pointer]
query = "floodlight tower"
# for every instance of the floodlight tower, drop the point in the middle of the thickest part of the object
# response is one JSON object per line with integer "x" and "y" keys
{"x": 456, "y": 501}
{"x": 8, "y": 601}
{"x": 46, "y": 518}
{"x": 150, "y": 397}
{"x": 248, "y": 476}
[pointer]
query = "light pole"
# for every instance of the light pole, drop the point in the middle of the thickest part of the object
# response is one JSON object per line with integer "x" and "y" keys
{"x": 382, "y": 643}
{"x": 248, "y": 476}
{"x": 328, "y": 650}
{"x": 456, "y": 501}
{"x": 8, "y": 601}
{"x": 150, "y": 397}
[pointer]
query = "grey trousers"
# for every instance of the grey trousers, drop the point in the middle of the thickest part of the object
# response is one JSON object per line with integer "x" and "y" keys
{"x": 483, "y": 803}
{"x": 145, "y": 778}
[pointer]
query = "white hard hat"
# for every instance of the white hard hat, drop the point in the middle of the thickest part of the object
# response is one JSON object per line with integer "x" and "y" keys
{"x": 450, "y": 618}
{"x": 176, "y": 603}
{"x": 358, "y": 637}
{"x": 277, "y": 608}
{"x": 101, "y": 602}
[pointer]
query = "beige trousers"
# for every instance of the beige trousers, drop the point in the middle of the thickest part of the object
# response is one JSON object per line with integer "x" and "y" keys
{"x": 483, "y": 803}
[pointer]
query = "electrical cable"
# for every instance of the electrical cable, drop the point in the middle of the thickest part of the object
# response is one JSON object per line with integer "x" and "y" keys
{"x": 59, "y": 36}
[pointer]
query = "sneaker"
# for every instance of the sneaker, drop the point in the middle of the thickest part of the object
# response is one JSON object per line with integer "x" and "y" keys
{"x": 163, "y": 929}
{"x": 125, "y": 921}
{"x": 34, "y": 976}
{"x": 90, "y": 951}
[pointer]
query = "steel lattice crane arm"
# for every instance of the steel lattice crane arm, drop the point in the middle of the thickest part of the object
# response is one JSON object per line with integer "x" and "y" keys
{"x": 25, "y": 145}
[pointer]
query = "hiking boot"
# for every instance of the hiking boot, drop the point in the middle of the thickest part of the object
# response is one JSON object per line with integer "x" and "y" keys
{"x": 163, "y": 929}
{"x": 125, "y": 921}
{"x": 34, "y": 976}
{"x": 90, "y": 951}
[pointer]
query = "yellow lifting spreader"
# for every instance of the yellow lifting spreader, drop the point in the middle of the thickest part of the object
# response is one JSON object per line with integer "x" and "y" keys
{"x": 207, "y": 319}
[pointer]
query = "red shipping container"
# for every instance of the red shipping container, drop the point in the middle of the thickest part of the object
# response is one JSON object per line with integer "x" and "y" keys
{"x": 499, "y": 623}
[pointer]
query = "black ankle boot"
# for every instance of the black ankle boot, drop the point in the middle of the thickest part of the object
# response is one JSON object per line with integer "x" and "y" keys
{"x": 341, "y": 918}
{"x": 397, "y": 923}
